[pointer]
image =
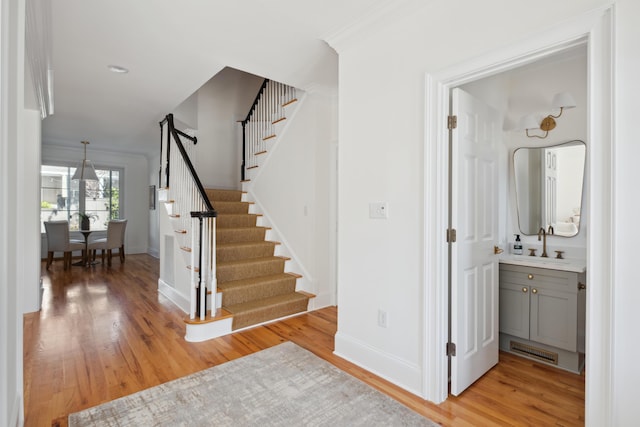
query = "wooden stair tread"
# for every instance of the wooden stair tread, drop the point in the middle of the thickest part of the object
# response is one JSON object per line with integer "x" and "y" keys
{"x": 220, "y": 314}
{"x": 307, "y": 294}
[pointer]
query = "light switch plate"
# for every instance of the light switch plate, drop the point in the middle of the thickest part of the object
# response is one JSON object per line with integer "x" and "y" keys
{"x": 378, "y": 210}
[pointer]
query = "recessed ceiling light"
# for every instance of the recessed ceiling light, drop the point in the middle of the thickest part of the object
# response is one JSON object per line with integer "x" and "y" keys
{"x": 117, "y": 69}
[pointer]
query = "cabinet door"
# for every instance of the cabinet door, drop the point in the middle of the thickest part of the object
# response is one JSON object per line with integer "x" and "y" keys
{"x": 514, "y": 310}
{"x": 554, "y": 318}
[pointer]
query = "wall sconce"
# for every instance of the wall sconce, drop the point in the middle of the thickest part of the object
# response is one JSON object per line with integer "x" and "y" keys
{"x": 560, "y": 101}
{"x": 85, "y": 171}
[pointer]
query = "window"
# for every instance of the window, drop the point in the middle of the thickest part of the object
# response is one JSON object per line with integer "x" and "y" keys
{"x": 62, "y": 198}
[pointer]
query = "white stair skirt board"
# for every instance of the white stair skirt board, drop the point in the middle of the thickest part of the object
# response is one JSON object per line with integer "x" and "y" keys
{"x": 206, "y": 331}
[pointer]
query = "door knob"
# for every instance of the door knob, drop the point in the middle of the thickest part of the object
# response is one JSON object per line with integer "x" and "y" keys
{"x": 534, "y": 291}
{"x": 525, "y": 289}
{"x": 497, "y": 250}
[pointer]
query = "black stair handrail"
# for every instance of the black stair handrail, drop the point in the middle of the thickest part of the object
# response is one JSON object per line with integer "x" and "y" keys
{"x": 176, "y": 137}
{"x": 244, "y": 123}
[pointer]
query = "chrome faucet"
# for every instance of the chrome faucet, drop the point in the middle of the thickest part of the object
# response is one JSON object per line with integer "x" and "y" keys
{"x": 542, "y": 233}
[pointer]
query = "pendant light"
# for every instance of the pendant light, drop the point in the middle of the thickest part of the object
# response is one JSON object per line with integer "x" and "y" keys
{"x": 85, "y": 171}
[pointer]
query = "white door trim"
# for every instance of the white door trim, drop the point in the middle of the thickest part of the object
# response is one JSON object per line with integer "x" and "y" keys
{"x": 596, "y": 28}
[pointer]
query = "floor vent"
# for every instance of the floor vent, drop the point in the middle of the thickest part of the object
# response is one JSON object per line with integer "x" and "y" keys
{"x": 535, "y": 352}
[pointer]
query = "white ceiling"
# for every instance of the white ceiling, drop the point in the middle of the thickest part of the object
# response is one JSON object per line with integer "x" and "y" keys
{"x": 171, "y": 49}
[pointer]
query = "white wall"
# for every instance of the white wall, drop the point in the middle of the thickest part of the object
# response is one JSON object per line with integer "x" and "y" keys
{"x": 292, "y": 190}
{"x": 222, "y": 101}
{"x": 135, "y": 191}
{"x": 29, "y": 219}
{"x": 11, "y": 274}
{"x": 382, "y": 117}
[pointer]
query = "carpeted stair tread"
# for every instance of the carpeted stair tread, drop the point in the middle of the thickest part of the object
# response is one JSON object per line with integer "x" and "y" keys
{"x": 224, "y": 195}
{"x": 248, "y": 268}
{"x": 240, "y": 291}
{"x": 236, "y": 220}
{"x": 258, "y": 311}
{"x": 240, "y": 234}
{"x": 244, "y": 250}
{"x": 223, "y": 207}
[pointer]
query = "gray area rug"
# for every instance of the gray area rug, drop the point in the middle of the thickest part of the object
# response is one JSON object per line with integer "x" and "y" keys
{"x": 284, "y": 385}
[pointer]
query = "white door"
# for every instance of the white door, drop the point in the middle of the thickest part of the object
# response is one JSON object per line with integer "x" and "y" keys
{"x": 474, "y": 215}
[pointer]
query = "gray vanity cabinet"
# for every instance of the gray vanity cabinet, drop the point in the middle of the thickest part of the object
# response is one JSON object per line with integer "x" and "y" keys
{"x": 514, "y": 307}
{"x": 542, "y": 309}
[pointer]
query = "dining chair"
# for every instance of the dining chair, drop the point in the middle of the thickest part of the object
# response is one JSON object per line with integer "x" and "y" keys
{"x": 114, "y": 240}
{"x": 58, "y": 241}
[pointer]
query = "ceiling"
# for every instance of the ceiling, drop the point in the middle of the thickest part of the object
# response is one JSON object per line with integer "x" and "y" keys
{"x": 171, "y": 49}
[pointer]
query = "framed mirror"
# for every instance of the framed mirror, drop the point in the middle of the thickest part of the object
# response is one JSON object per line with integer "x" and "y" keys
{"x": 549, "y": 182}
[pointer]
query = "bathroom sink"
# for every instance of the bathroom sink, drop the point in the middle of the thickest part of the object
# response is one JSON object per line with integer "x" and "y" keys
{"x": 568, "y": 264}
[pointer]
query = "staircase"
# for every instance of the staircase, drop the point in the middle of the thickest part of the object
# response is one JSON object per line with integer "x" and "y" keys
{"x": 235, "y": 279}
{"x": 252, "y": 281}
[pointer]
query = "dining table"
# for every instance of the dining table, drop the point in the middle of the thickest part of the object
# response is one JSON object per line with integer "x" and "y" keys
{"x": 86, "y": 258}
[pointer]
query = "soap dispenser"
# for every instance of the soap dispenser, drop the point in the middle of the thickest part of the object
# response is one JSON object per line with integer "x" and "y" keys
{"x": 517, "y": 246}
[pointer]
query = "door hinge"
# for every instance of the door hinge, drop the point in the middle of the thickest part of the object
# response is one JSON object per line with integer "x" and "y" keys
{"x": 451, "y": 235}
{"x": 451, "y": 349}
{"x": 452, "y": 122}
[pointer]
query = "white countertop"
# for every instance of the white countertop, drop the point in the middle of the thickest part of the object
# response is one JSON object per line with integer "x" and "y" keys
{"x": 568, "y": 264}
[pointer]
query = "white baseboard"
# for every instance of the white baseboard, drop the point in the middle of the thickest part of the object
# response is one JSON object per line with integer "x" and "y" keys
{"x": 154, "y": 253}
{"x": 17, "y": 418}
{"x": 174, "y": 296}
{"x": 400, "y": 372}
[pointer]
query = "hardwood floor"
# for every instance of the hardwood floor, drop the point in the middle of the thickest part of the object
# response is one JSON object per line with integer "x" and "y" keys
{"x": 104, "y": 333}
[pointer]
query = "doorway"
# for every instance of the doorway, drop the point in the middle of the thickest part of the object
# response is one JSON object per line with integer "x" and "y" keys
{"x": 487, "y": 213}
{"x": 595, "y": 29}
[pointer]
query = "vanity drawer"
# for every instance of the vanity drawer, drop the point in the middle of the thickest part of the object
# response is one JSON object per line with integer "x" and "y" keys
{"x": 543, "y": 278}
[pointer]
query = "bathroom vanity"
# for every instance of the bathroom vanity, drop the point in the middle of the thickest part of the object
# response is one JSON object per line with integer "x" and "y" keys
{"x": 542, "y": 309}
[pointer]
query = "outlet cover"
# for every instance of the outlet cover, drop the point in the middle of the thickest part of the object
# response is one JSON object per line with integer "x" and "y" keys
{"x": 382, "y": 318}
